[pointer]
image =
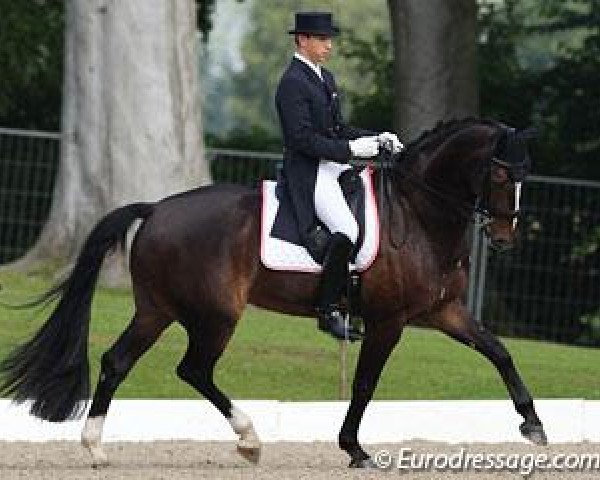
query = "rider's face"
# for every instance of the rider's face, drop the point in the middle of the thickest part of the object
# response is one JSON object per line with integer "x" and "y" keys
{"x": 315, "y": 48}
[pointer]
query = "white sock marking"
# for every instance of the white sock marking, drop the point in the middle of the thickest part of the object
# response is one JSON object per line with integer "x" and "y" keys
{"x": 239, "y": 421}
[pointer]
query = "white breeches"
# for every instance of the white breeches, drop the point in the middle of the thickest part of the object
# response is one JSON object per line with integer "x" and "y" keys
{"x": 330, "y": 205}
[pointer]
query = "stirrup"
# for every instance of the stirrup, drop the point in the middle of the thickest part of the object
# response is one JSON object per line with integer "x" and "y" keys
{"x": 333, "y": 322}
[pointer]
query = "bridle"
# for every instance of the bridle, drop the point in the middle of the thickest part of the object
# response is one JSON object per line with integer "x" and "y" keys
{"x": 482, "y": 214}
{"x": 484, "y": 207}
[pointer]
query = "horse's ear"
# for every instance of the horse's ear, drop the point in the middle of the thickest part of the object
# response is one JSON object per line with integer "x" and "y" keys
{"x": 527, "y": 134}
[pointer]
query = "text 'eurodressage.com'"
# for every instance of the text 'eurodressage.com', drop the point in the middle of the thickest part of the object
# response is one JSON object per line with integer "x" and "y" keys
{"x": 405, "y": 460}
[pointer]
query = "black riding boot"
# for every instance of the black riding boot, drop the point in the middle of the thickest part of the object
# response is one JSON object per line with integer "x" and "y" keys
{"x": 333, "y": 282}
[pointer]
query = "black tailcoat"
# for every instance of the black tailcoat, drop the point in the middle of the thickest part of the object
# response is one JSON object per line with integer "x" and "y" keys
{"x": 313, "y": 129}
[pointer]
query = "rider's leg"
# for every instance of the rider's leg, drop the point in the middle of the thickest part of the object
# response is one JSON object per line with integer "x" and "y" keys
{"x": 330, "y": 205}
{"x": 332, "y": 209}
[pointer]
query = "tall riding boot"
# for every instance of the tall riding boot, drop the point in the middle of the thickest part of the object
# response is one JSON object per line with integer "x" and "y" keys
{"x": 333, "y": 282}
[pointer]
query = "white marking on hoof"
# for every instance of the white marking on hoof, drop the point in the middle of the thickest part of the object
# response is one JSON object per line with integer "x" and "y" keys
{"x": 248, "y": 445}
{"x": 91, "y": 437}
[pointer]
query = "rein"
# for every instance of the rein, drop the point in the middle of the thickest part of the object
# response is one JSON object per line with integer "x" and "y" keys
{"x": 479, "y": 214}
{"x": 465, "y": 209}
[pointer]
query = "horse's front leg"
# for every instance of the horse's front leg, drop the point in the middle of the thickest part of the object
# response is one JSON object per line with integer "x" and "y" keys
{"x": 380, "y": 339}
{"x": 457, "y": 322}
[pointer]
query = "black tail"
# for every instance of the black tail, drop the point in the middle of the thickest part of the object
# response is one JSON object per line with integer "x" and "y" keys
{"x": 52, "y": 369}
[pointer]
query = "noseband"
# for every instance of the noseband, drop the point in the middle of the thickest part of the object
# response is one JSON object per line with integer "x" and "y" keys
{"x": 484, "y": 206}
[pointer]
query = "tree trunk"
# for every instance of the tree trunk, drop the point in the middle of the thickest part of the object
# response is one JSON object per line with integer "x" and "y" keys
{"x": 434, "y": 62}
{"x": 131, "y": 115}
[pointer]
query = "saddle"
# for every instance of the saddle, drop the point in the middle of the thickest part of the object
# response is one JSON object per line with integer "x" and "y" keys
{"x": 317, "y": 239}
{"x": 284, "y": 248}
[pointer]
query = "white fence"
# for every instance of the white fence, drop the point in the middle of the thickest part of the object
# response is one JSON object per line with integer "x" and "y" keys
{"x": 458, "y": 421}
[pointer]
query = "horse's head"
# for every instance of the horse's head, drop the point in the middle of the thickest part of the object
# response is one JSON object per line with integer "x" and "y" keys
{"x": 500, "y": 198}
{"x": 466, "y": 165}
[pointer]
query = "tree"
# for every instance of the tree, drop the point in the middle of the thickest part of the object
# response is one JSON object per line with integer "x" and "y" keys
{"x": 131, "y": 116}
{"x": 434, "y": 62}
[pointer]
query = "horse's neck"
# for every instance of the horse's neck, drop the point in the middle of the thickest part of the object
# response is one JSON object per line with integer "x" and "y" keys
{"x": 438, "y": 185}
{"x": 437, "y": 204}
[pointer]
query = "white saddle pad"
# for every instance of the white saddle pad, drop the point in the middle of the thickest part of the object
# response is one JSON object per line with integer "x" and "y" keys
{"x": 278, "y": 254}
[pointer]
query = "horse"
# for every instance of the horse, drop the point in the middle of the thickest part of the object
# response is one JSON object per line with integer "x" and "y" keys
{"x": 195, "y": 260}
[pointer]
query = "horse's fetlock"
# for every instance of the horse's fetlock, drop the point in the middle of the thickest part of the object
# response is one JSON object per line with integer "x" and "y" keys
{"x": 241, "y": 423}
{"x": 526, "y": 410}
{"x": 347, "y": 441}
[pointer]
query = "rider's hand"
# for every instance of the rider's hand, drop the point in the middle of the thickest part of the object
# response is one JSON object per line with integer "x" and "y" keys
{"x": 390, "y": 141}
{"x": 364, "y": 147}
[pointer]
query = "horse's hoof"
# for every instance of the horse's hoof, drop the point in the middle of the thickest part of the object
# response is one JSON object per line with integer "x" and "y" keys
{"x": 99, "y": 457}
{"x": 534, "y": 433}
{"x": 252, "y": 454}
{"x": 363, "y": 463}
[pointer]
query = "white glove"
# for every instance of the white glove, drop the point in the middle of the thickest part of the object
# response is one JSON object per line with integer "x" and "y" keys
{"x": 364, "y": 147}
{"x": 390, "y": 141}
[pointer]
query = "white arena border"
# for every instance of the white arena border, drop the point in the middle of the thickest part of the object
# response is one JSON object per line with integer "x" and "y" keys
{"x": 565, "y": 420}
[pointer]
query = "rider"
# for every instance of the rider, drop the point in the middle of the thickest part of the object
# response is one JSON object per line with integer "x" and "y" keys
{"x": 317, "y": 148}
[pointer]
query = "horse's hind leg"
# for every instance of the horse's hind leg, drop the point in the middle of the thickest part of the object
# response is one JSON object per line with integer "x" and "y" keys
{"x": 116, "y": 363}
{"x": 456, "y": 321}
{"x": 206, "y": 344}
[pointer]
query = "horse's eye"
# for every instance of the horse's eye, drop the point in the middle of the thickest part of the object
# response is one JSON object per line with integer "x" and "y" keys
{"x": 499, "y": 175}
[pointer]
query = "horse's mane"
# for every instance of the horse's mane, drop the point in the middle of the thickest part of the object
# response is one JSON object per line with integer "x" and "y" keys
{"x": 431, "y": 139}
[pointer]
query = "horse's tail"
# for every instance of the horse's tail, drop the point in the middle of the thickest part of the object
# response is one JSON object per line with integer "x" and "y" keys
{"x": 51, "y": 370}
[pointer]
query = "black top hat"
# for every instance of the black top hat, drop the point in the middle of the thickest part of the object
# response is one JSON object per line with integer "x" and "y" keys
{"x": 317, "y": 23}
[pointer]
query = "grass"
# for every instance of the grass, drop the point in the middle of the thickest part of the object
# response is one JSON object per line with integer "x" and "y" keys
{"x": 273, "y": 356}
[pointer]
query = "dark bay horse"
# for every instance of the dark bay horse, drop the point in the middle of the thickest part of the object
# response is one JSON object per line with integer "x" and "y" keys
{"x": 195, "y": 260}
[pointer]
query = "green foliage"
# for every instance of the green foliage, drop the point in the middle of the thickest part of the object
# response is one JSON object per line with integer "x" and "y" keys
{"x": 505, "y": 90}
{"x": 591, "y": 329}
{"x": 371, "y": 107}
{"x": 204, "y": 12}
{"x": 278, "y": 354}
{"x": 31, "y": 60}
{"x": 253, "y": 138}
{"x": 589, "y": 246}
{"x": 539, "y": 63}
